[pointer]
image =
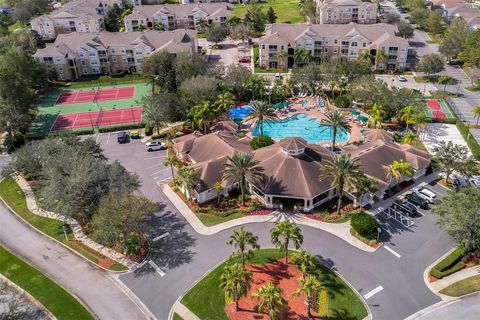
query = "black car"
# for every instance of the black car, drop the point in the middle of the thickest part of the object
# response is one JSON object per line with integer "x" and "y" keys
{"x": 405, "y": 207}
{"x": 460, "y": 183}
{"x": 418, "y": 201}
{"x": 122, "y": 137}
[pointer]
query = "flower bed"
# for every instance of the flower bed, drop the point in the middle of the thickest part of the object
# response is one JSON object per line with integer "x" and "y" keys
{"x": 259, "y": 212}
{"x": 372, "y": 243}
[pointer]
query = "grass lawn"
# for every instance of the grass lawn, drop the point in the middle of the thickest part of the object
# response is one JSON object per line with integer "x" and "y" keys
{"x": 473, "y": 89}
{"x": 211, "y": 220}
{"x": 177, "y": 317}
{"x": 11, "y": 193}
{"x": 463, "y": 287}
{"x": 343, "y": 303}
{"x": 53, "y": 297}
{"x": 286, "y": 10}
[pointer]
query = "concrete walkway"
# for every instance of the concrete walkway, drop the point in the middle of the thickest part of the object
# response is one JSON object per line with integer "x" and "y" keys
{"x": 184, "y": 312}
{"x": 341, "y": 230}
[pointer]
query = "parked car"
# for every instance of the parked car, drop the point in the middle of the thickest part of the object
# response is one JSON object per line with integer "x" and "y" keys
{"x": 244, "y": 59}
{"x": 405, "y": 207}
{"x": 454, "y": 62}
{"x": 460, "y": 183}
{"x": 418, "y": 201}
{"x": 278, "y": 76}
{"x": 474, "y": 181}
{"x": 402, "y": 78}
{"x": 135, "y": 134}
{"x": 427, "y": 194}
{"x": 155, "y": 146}
{"x": 122, "y": 137}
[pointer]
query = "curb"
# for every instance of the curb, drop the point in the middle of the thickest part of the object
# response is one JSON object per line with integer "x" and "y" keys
{"x": 427, "y": 283}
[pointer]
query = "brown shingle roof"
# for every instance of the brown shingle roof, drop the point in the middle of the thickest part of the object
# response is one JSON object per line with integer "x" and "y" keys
{"x": 378, "y": 134}
{"x": 293, "y": 143}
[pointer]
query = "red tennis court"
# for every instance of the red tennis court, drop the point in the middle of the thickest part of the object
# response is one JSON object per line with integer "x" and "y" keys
{"x": 97, "y": 118}
{"x": 95, "y": 95}
{"x": 434, "y": 105}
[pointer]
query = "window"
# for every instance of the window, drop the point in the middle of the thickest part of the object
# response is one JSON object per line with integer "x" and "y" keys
{"x": 326, "y": 50}
{"x": 85, "y": 71}
{"x": 48, "y": 60}
{"x": 318, "y": 43}
{"x": 138, "y": 51}
{"x": 60, "y": 68}
{"x": 364, "y": 44}
{"x": 353, "y": 44}
{"x": 114, "y": 59}
{"x": 83, "y": 63}
{"x": 335, "y": 41}
{"x": 139, "y": 60}
{"x": 96, "y": 70}
{"x": 93, "y": 62}
{"x": 81, "y": 54}
{"x": 112, "y": 50}
{"x": 92, "y": 53}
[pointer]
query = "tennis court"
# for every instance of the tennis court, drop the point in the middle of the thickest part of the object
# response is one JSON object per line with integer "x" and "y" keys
{"x": 438, "y": 109}
{"x": 95, "y": 95}
{"x": 97, "y": 119}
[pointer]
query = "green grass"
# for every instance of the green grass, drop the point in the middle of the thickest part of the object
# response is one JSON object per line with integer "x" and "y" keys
{"x": 177, "y": 317}
{"x": 286, "y": 10}
{"x": 472, "y": 89}
{"x": 53, "y": 297}
{"x": 343, "y": 303}
{"x": 13, "y": 195}
{"x": 260, "y": 70}
{"x": 462, "y": 287}
{"x": 211, "y": 220}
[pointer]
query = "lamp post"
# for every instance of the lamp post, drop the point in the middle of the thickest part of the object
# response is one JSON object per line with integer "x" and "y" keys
{"x": 90, "y": 115}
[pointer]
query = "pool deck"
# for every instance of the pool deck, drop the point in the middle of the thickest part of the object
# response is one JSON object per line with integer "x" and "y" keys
{"x": 315, "y": 113}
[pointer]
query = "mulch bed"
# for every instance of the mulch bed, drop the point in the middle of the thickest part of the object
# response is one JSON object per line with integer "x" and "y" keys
{"x": 280, "y": 274}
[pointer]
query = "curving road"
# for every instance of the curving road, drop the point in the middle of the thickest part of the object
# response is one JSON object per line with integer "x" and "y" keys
{"x": 92, "y": 286}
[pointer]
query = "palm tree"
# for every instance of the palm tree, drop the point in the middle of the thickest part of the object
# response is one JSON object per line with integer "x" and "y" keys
{"x": 365, "y": 57}
{"x": 235, "y": 281}
{"x": 255, "y": 83}
{"x": 396, "y": 170}
{"x": 410, "y": 138}
{"x": 377, "y": 113}
{"x": 337, "y": 121}
{"x": 218, "y": 188}
{"x": 476, "y": 112}
{"x": 311, "y": 287}
{"x": 189, "y": 179}
{"x": 262, "y": 112}
{"x": 363, "y": 186}
{"x": 242, "y": 239}
{"x": 332, "y": 84}
{"x": 445, "y": 80}
{"x": 224, "y": 102}
{"x": 281, "y": 55}
{"x": 282, "y": 233}
{"x": 301, "y": 56}
{"x": 407, "y": 115}
{"x": 381, "y": 57}
{"x": 203, "y": 115}
{"x": 158, "y": 26}
{"x": 241, "y": 168}
{"x": 344, "y": 171}
{"x": 232, "y": 21}
{"x": 202, "y": 24}
{"x": 170, "y": 160}
{"x": 304, "y": 261}
{"x": 271, "y": 299}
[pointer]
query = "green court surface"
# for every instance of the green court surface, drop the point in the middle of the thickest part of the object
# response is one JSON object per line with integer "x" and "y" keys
{"x": 48, "y": 111}
{"x": 438, "y": 108}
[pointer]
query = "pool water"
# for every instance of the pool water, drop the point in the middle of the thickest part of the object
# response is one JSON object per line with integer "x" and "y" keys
{"x": 240, "y": 113}
{"x": 300, "y": 125}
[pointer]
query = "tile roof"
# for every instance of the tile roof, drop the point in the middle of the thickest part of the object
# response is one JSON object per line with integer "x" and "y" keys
{"x": 211, "y": 9}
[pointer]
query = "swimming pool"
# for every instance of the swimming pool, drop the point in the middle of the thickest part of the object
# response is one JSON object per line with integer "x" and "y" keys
{"x": 300, "y": 125}
{"x": 240, "y": 113}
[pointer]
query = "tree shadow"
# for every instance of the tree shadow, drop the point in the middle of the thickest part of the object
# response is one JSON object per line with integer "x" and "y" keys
{"x": 341, "y": 314}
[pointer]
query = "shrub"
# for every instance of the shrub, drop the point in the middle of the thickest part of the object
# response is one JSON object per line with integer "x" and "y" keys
{"x": 148, "y": 130}
{"x": 342, "y": 102}
{"x": 365, "y": 225}
{"x": 450, "y": 264}
{"x": 13, "y": 142}
{"x": 260, "y": 142}
{"x": 471, "y": 142}
{"x": 442, "y": 274}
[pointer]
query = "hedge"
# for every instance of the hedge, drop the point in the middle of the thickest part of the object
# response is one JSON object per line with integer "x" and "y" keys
{"x": 469, "y": 138}
{"x": 261, "y": 141}
{"x": 365, "y": 225}
{"x": 450, "y": 264}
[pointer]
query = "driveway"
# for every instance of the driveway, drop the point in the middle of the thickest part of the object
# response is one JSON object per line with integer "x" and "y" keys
{"x": 391, "y": 279}
{"x": 227, "y": 54}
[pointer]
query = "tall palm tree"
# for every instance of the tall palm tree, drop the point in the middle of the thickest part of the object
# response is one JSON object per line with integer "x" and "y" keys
{"x": 255, "y": 84}
{"x": 381, "y": 58}
{"x": 377, "y": 113}
{"x": 310, "y": 286}
{"x": 170, "y": 160}
{"x": 282, "y": 233}
{"x": 396, "y": 170}
{"x": 337, "y": 121}
{"x": 241, "y": 168}
{"x": 365, "y": 57}
{"x": 476, "y": 112}
{"x": 224, "y": 102}
{"x": 262, "y": 112}
{"x": 203, "y": 115}
{"x": 363, "y": 186}
{"x": 445, "y": 80}
{"x": 235, "y": 281}
{"x": 304, "y": 260}
{"x": 232, "y": 21}
{"x": 189, "y": 179}
{"x": 242, "y": 239}
{"x": 271, "y": 299}
{"x": 407, "y": 115}
{"x": 344, "y": 171}
{"x": 202, "y": 24}
{"x": 332, "y": 84}
{"x": 301, "y": 56}
{"x": 281, "y": 55}
{"x": 219, "y": 189}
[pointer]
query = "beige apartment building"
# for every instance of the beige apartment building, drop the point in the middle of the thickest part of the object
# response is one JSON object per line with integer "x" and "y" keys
{"x": 346, "y": 11}
{"x": 175, "y": 16}
{"x": 74, "y": 16}
{"x": 77, "y": 54}
{"x": 332, "y": 42}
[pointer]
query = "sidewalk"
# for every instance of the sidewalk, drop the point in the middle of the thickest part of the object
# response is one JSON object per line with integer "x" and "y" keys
{"x": 184, "y": 312}
{"x": 341, "y": 230}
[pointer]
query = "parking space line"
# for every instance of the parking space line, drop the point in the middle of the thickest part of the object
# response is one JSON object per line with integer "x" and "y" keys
{"x": 152, "y": 174}
{"x": 373, "y": 292}
{"x": 151, "y": 158}
{"x": 166, "y": 234}
{"x": 108, "y": 138}
{"x": 392, "y": 251}
{"x": 157, "y": 269}
{"x": 155, "y": 165}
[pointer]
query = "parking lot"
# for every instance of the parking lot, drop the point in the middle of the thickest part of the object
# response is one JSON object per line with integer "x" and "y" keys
{"x": 410, "y": 83}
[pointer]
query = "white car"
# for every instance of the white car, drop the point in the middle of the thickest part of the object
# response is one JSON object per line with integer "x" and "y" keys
{"x": 425, "y": 194}
{"x": 155, "y": 145}
{"x": 402, "y": 78}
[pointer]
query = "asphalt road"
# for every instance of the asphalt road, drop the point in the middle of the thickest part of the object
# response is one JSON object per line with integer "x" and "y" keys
{"x": 184, "y": 256}
{"x": 464, "y": 308}
{"x": 94, "y": 287}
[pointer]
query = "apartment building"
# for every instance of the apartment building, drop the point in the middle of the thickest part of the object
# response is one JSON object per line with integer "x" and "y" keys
{"x": 346, "y": 11}
{"x": 77, "y": 54}
{"x": 452, "y": 9}
{"x": 175, "y": 16}
{"x": 207, "y": 1}
{"x": 74, "y": 16}
{"x": 332, "y": 42}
